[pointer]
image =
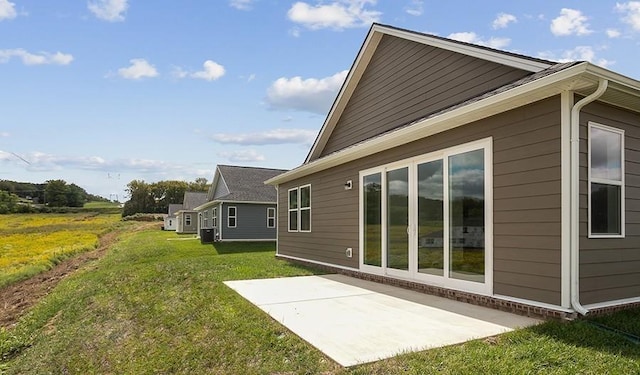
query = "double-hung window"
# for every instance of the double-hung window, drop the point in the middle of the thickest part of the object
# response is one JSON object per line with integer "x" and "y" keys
{"x": 300, "y": 209}
{"x": 606, "y": 181}
{"x": 187, "y": 219}
{"x": 214, "y": 217}
{"x": 271, "y": 217}
{"x": 231, "y": 217}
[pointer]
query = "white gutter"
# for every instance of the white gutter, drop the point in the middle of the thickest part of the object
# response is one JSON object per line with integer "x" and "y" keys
{"x": 575, "y": 191}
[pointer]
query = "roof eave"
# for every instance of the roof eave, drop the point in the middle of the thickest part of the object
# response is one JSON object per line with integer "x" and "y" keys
{"x": 568, "y": 79}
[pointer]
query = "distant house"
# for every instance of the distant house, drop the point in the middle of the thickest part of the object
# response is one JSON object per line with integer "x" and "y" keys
{"x": 239, "y": 206}
{"x": 187, "y": 216}
{"x": 171, "y": 221}
{"x": 476, "y": 174}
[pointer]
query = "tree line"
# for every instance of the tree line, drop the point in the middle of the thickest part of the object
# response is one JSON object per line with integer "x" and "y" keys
{"x": 155, "y": 198}
{"x": 29, "y": 197}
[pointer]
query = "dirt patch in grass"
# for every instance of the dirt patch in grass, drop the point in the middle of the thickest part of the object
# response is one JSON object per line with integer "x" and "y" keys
{"x": 15, "y": 299}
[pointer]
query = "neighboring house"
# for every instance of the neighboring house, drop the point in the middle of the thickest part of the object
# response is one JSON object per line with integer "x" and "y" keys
{"x": 187, "y": 216}
{"x": 171, "y": 221}
{"x": 538, "y": 161}
{"x": 240, "y": 207}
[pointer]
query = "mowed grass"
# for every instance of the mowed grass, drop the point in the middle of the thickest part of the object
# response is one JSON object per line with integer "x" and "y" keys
{"x": 156, "y": 303}
{"x": 33, "y": 243}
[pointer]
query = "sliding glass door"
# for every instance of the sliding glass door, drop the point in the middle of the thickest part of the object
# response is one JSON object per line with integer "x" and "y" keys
{"x": 428, "y": 218}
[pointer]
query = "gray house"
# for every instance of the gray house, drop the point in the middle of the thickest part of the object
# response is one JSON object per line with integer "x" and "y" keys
{"x": 187, "y": 216}
{"x": 476, "y": 174}
{"x": 239, "y": 206}
{"x": 171, "y": 221}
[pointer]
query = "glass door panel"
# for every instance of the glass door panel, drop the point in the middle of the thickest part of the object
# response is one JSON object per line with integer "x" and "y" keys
{"x": 466, "y": 216}
{"x": 372, "y": 194}
{"x": 430, "y": 218}
{"x": 398, "y": 219}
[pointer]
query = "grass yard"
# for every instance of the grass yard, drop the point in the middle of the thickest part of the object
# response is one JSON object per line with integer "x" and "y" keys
{"x": 158, "y": 305}
{"x": 33, "y": 243}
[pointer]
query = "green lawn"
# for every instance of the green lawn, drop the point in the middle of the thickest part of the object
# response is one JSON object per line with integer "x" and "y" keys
{"x": 155, "y": 305}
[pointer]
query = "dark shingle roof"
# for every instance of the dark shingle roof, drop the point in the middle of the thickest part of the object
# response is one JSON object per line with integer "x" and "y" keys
{"x": 193, "y": 200}
{"x": 246, "y": 184}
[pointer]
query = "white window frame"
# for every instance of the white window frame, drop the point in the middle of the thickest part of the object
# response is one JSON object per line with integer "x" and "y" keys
{"x": 298, "y": 209}
{"x": 187, "y": 220}
{"x": 271, "y": 215}
{"x": 214, "y": 217}
{"x": 205, "y": 220}
{"x": 604, "y": 181}
{"x": 475, "y": 287}
{"x": 234, "y": 216}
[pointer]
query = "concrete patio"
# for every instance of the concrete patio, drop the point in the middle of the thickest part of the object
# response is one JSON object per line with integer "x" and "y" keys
{"x": 355, "y": 321}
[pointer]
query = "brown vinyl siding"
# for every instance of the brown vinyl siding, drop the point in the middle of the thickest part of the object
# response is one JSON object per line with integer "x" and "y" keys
{"x": 526, "y": 180}
{"x": 405, "y": 81}
{"x": 610, "y": 267}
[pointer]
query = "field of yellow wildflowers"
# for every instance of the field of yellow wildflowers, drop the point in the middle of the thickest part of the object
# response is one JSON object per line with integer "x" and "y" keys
{"x": 33, "y": 243}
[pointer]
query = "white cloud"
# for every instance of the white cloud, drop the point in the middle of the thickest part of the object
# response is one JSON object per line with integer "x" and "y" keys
{"x": 570, "y": 22}
{"x": 311, "y": 94}
{"x": 416, "y": 8}
{"x": 338, "y": 15}
{"x": 613, "y": 33}
{"x": 631, "y": 12}
{"x": 241, "y": 4}
{"x": 139, "y": 68}
{"x": 471, "y": 37}
{"x": 7, "y": 10}
{"x": 580, "y": 53}
{"x": 503, "y": 20}
{"x": 270, "y": 137}
{"x": 211, "y": 72}
{"x": 241, "y": 156}
{"x": 42, "y": 58}
{"x": 40, "y": 161}
{"x": 4, "y": 135}
{"x": 109, "y": 10}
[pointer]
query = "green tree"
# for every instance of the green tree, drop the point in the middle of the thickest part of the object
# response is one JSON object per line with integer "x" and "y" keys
{"x": 76, "y": 196}
{"x": 55, "y": 193}
{"x": 8, "y": 202}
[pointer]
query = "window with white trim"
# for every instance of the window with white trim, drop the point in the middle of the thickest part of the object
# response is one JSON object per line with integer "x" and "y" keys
{"x": 606, "y": 181}
{"x": 271, "y": 217}
{"x": 231, "y": 217}
{"x": 205, "y": 220}
{"x": 300, "y": 209}
{"x": 187, "y": 219}
{"x": 214, "y": 217}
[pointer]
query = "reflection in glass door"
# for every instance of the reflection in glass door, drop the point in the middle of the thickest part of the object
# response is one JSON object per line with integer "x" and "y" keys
{"x": 430, "y": 218}
{"x": 466, "y": 216}
{"x": 372, "y": 200}
{"x": 398, "y": 219}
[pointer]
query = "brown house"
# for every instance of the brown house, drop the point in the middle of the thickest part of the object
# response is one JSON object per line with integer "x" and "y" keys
{"x": 474, "y": 173}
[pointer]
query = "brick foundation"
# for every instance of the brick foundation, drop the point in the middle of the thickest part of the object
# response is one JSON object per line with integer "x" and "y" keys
{"x": 471, "y": 298}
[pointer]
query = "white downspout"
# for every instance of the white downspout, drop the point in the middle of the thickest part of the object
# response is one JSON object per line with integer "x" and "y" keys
{"x": 575, "y": 191}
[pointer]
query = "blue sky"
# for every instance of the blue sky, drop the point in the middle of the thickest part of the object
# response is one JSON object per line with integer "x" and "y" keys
{"x": 102, "y": 92}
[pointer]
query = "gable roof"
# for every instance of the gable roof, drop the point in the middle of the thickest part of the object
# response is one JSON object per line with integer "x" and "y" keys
{"x": 376, "y": 32}
{"x": 243, "y": 184}
{"x": 173, "y": 208}
{"x": 192, "y": 200}
{"x": 546, "y": 80}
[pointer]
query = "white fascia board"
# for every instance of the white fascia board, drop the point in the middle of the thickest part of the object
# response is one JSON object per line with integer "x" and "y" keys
{"x": 496, "y": 56}
{"x": 205, "y": 205}
{"x": 244, "y": 202}
{"x": 537, "y": 90}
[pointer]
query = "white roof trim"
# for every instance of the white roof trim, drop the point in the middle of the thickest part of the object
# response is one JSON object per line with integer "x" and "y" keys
{"x": 496, "y": 56}
{"x": 577, "y": 77}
